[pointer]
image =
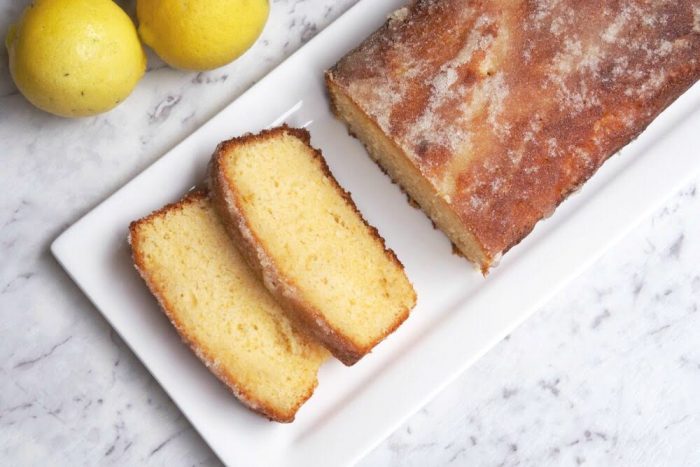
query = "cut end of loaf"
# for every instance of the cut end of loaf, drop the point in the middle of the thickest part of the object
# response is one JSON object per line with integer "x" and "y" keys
{"x": 402, "y": 171}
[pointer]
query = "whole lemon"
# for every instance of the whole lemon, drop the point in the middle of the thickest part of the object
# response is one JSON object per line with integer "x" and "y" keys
{"x": 75, "y": 58}
{"x": 200, "y": 34}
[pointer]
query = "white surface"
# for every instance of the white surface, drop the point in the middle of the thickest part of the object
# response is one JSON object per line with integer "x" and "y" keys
{"x": 58, "y": 376}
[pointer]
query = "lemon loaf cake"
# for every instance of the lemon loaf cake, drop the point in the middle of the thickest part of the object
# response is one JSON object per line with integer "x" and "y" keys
{"x": 303, "y": 234}
{"x": 221, "y": 309}
{"x": 489, "y": 114}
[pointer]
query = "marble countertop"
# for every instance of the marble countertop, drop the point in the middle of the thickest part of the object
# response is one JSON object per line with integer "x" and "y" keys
{"x": 607, "y": 373}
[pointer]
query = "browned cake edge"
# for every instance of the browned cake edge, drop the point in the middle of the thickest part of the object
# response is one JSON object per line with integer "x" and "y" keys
{"x": 249, "y": 400}
{"x": 423, "y": 193}
{"x": 228, "y": 204}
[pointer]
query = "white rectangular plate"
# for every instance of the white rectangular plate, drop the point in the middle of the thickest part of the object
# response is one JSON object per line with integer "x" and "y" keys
{"x": 459, "y": 316}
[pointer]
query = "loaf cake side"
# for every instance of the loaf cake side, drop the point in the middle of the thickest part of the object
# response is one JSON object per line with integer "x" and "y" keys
{"x": 489, "y": 114}
{"x": 222, "y": 311}
{"x": 313, "y": 249}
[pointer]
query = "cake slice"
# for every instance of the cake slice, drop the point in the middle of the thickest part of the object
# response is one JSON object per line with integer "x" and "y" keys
{"x": 221, "y": 309}
{"x": 307, "y": 240}
{"x": 489, "y": 114}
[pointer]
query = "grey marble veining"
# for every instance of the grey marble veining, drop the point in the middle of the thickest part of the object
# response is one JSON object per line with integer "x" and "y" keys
{"x": 608, "y": 373}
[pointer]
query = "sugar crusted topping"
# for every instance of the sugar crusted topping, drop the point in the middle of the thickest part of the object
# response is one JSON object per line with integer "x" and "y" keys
{"x": 485, "y": 99}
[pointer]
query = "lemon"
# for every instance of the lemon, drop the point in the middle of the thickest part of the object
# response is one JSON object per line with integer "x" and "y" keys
{"x": 75, "y": 58}
{"x": 200, "y": 34}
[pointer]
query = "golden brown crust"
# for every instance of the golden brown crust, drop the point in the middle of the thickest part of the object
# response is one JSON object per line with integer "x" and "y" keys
{"x": 248, "y": 399}
{"x": 227, "y": 203}
{"x": 507, "y": 108}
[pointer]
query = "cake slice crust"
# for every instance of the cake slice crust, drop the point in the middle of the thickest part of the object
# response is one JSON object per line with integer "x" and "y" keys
{"x": 303, "y": 234}
{"x": 222, "y": 311}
